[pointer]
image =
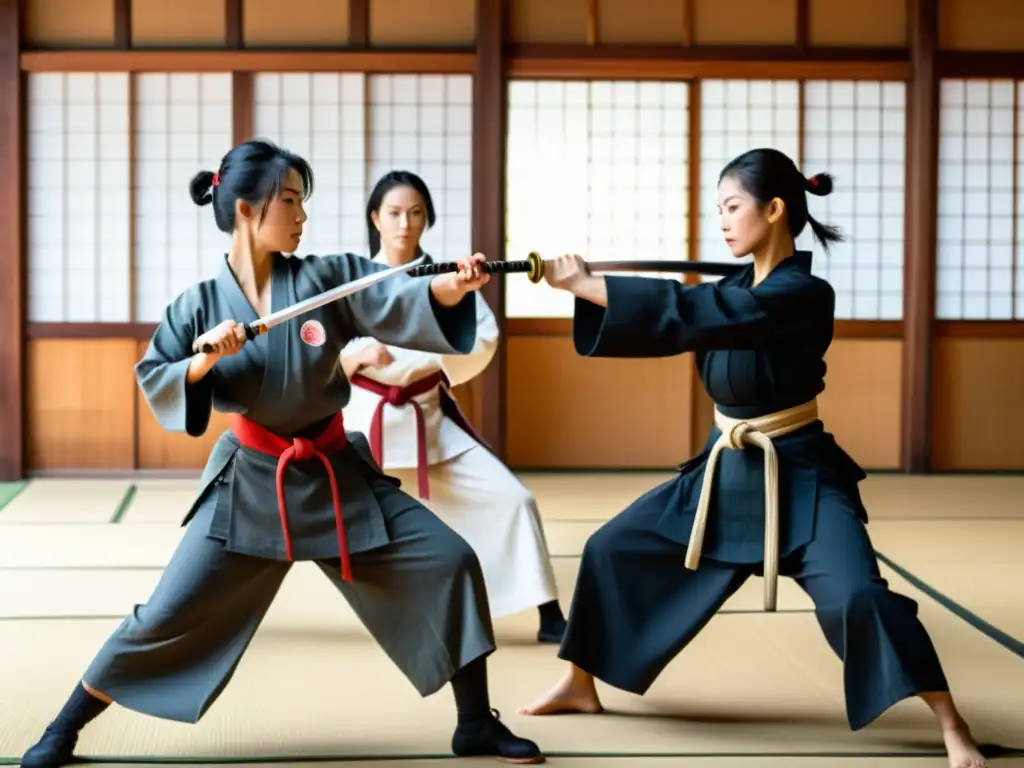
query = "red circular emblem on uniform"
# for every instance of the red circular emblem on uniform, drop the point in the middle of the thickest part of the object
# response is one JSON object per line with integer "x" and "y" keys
{"x": 312, "y": 332}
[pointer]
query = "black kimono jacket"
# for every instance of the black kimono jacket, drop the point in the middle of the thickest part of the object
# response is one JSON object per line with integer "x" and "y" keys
{"x": 759, "y": 349}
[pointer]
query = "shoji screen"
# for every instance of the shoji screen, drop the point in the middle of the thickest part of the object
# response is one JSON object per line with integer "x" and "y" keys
{"x": 976, "y": 277}
{"x": 857, "y": 132}
{"x": 321, "y": 116}
{"x": 1018, "y": 310}
{"x": 354, "y": 128}
{"x": 595, "y": 168}
{"x": 78, "y": 187}
{"x": 738, "y": 115}
{"x": 424, "y": 124}
{"x": 182, "y": 125}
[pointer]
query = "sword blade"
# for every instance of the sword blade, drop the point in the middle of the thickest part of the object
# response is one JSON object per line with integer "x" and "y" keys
{"x": 682, "y": 267}
{"x": 334, "y": 294}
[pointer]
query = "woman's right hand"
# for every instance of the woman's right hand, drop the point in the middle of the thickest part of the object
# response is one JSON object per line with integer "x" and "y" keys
{"x": 565, "y": 272}
{"x": 226, "y": 339}
{"x": 376, "y": 355}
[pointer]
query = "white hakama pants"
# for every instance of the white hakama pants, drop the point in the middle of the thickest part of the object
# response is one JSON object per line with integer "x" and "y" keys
{"x": 480, "y": 498}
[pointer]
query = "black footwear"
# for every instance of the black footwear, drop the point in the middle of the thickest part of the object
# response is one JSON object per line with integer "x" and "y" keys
{"x": 552, "y": 632}
{"x": 552, "y": 622}
{"x": 54, "y": 749}
{"x": 489, "y": 737}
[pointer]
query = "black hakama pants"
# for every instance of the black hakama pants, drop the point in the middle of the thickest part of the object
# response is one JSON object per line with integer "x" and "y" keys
{"x": 636, "y": 606}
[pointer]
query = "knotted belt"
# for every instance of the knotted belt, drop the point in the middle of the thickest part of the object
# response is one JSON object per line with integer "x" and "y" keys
{"x": 736, "y": 434}
{"x": 399, "y": 397}
{"x": 258, "y": 438}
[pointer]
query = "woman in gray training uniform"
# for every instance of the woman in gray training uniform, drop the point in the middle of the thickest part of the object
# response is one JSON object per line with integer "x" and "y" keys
{"x": 415, "y": 584}
{"x": 760, "y": 338}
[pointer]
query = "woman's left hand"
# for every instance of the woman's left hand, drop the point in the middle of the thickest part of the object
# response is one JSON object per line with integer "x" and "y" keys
{"x": 470, "y": 276}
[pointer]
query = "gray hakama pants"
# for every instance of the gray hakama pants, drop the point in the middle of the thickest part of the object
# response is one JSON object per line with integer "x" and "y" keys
{"x": 422, "y": 597}
{"x": 636, "y": 607}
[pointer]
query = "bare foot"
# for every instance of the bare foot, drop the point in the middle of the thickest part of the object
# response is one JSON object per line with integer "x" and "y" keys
{"x": 575, "y": 693}
{"x": 962, "y": 750}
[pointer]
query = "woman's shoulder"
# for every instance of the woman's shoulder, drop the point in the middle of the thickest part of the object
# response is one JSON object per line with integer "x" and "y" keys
{"x": 332, "y": 268}
{"x": 796, "y": 282}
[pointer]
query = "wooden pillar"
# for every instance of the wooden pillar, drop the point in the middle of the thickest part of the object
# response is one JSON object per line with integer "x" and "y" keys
{"x": 490, "y": 116}
{"x": 358, "y": 24}
{"x": 123, "y": 25}
{"x": 921, "y": 223}
{"x": 233, "y": 29}
{"x": 242, "y": 111}
{"x": 12, "y": 244}
{"x": 803, "y": 26}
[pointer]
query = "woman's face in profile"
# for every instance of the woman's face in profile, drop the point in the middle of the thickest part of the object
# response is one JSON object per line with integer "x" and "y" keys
{"x": 279, "y": 227}
{"x": 743, "y": 221}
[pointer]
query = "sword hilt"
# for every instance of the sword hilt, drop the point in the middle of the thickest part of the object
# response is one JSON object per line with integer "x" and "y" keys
{"x": 532, "y": 265}
{"x": 252, "y": 330}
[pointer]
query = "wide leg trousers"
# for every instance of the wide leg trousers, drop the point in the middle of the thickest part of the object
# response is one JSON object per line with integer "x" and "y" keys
{"x": 422, "y": 597}
{"x": 636, "y": 607}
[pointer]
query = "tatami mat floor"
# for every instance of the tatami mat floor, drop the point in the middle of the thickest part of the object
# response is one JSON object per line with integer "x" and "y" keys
{"x": 754, "y": 690}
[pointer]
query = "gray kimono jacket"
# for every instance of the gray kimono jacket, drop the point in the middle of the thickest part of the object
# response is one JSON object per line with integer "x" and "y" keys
{"x": 290, "y": 382}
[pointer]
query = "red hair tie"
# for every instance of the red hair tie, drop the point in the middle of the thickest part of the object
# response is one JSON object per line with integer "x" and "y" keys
{"x": 216, "y": 179}
{"x": 813, "y": 181}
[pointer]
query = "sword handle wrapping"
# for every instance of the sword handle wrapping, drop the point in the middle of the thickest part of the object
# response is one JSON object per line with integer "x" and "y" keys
{"x": 532, "y": 265}
{"x": 251, "y": 332}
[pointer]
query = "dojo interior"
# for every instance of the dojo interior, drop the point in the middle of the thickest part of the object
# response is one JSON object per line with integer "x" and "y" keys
{"x": 596, "y": 126}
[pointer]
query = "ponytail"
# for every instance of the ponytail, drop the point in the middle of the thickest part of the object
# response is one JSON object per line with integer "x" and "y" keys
{"x": 373, "y": 238}
{"x": 768, "y": 173}
{"x": 820, "y": 185}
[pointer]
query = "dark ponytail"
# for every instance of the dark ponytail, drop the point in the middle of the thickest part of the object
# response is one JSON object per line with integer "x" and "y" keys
{"x": 767, "y": 174}
{"x": 820, "y": 185}
{"x": 201, "y": 188}
{"x": 254, "y": 171}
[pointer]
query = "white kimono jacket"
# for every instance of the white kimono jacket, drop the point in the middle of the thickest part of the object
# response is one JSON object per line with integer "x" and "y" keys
{"x": 444, "y": 438}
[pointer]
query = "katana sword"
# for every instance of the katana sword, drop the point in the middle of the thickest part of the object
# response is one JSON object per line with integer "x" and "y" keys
{"x": 264, "y": 324}
{"x": 533, "y": 266}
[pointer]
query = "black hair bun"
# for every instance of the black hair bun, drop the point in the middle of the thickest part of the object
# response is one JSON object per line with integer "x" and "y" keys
{"x": 819, "y": 184}
{"x": 201, "y": 188}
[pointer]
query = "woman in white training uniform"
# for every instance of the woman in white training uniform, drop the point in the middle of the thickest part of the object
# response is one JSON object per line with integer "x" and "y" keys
{"x": 401, "y": 401}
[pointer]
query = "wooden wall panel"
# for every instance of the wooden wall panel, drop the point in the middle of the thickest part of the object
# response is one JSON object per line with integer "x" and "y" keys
{"x": 159, "y": 449}
{"x": 866, "y": 23}
{"x": 80, "y": 404}
{"x": 95, "y": 422}
{"x": 641, "y": 22}
{"x": 64, "y": 24}
{"x": 745, "y": 22}
{"x": 978, "y": 410}
{"x": 307, "y": 23}
{"x": 178, "y": 24}
{"x": 414, "y": 22}
{"x": 162, "y": 450}
{"x": 981, "y": 25}
{"x": 544, "y": 21}
{"x": 565, "y": 411}
{"x": 860, "y": 405}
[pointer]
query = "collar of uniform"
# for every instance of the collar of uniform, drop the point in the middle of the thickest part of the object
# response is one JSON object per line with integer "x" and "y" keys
{"x": 802, "y": 260}
{"x": 379, "y": 256}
